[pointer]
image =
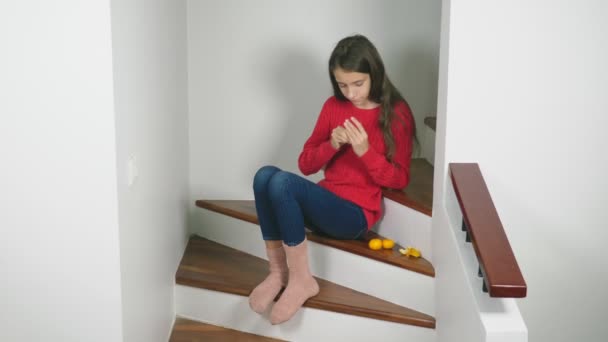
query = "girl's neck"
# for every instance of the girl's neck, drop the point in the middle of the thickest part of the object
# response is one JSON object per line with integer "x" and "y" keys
{"x": 367, "y": 105}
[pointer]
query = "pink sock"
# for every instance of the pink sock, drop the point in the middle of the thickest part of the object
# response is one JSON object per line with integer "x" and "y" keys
{"x": 301, "y": 285}
{"x": 261, "y": 297}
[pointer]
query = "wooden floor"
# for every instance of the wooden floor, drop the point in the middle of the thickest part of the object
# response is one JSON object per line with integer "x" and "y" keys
{"x": 209, "y": 265}
{"x": 186, "y": 330}
{"x": 245, "y": 210}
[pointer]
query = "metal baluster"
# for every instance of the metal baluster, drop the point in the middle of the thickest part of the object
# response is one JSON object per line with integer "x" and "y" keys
{"x": 466, "y": 229}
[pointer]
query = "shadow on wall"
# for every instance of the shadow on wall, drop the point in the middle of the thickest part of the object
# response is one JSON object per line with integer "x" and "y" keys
{"x": 416, "y": 77}
{"x": 302, "y": 86}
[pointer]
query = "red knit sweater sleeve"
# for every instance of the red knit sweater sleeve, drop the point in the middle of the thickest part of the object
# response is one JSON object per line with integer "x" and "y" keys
{"x": 394, "y": 175}
{"x": 317, "y": 149}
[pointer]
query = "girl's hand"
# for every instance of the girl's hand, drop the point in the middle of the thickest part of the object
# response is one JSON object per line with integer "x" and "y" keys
{"x": 357, "y": 136}
{"x": 338, "y": 137}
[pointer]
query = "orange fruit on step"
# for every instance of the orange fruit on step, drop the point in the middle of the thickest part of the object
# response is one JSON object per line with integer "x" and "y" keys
{"x": 375, "y": 244}
{"x": 388, "y": 244}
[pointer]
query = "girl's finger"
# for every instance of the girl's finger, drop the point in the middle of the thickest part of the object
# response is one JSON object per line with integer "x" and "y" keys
{"x": 350, "y": 136}
{"x": 358, "y": 135}
{"x": 349, "y": 126}
{"x": 346, "y": 127}
{"x": 355, "y": 137}
{"x": 358, "y": 124}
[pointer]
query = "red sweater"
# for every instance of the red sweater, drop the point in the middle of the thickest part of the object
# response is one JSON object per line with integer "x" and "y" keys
{"x": 359, "y": 179}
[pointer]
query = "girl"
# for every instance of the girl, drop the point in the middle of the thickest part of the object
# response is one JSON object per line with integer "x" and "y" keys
{"x": 363, "y": 141}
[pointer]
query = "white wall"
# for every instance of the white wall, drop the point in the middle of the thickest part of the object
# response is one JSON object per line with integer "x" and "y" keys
{"x": 149, "y": 50}
{"x": 258, "y": 77}
{"x": 526, "y": 86}
{"x": 59, "y": 251}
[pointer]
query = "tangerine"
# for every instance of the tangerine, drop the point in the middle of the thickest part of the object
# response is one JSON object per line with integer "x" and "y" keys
{"x": 375, "y": 244}
{"x": 388, "y": 244}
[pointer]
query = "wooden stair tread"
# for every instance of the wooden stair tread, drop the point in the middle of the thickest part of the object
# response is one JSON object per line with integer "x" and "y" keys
{"x": 209, "y": 265}
{"x": 245, "y": 210}
{"x": 431, "y": 121}
{"x": 418, "y": 195}
{"x": 186, "y": 330}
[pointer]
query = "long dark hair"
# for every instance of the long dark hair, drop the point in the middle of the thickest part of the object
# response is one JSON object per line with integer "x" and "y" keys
{"x": 357, "y": 53}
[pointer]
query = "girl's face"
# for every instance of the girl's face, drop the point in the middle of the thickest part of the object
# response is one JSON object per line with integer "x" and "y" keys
{"x": 355, "y": 87}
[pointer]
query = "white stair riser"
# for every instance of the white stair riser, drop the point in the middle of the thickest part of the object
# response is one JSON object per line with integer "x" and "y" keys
{"x": 232, "y": 311}
{"x": 406, "y": 226}
{"x": 381, "y": 280}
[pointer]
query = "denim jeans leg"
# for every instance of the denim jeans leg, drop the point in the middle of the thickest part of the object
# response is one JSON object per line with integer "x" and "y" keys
{"x": 266, "y": 217}
{"x": 282, "y": 187}
{"x": 327, "y": 213}
{"x": 295, "y": 200}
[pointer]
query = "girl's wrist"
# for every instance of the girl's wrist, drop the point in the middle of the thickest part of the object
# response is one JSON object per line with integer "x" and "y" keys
{"x": 331, "y": 142}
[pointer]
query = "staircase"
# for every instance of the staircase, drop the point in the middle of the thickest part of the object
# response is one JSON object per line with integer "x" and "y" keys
{"x": 186, "y": 330}
{"x": 364, "y": 294}
{"x": 427, "y": 138}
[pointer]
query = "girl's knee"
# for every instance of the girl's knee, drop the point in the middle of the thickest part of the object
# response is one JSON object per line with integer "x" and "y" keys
{"x": 279, "y": 184}
{"x": 263, "y": 176}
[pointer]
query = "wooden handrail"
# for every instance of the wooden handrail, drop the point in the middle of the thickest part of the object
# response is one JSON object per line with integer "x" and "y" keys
{"x": 498, "y": 266}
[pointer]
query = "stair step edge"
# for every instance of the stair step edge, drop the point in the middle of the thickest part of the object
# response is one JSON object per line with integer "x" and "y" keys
{"x": 199, "y": 269}
{"x": 189, "y": 330}
{"x": 245, "y": 210}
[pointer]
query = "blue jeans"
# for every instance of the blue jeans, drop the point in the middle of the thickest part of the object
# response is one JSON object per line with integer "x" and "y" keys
{"x": 286, "y": 203}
